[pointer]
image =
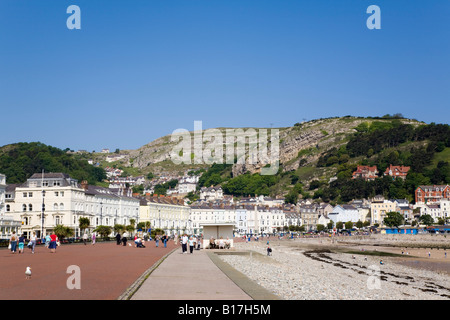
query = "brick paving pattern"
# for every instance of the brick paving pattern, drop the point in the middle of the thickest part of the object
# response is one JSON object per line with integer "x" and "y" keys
{"x": 107, "y": 270}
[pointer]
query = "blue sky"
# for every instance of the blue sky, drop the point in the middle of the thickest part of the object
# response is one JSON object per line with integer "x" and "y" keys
{"x": 139, "y": 69}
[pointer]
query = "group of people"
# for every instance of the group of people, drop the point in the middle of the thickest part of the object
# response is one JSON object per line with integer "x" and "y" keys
{"x": 192, "y": 241}
{"x": 17, "y": 242}
{"x": 220, "y": 244}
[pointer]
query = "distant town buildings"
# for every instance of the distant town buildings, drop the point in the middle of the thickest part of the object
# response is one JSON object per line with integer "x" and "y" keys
{"x": 46, "y": 200}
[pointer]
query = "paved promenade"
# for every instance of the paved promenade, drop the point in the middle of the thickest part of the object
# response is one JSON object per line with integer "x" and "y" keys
{"x": 189, "y": 277}
{"x": 115, "y": 272}
{"x": 106, "y": 270}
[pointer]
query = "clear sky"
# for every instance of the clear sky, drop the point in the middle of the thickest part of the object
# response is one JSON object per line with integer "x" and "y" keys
{"x": 139, "y": 69}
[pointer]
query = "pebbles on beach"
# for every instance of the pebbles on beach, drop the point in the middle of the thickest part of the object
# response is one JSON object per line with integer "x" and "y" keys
{"x": 293, "y": 275}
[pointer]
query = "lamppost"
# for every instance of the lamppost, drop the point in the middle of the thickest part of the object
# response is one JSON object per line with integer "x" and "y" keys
{"x": 101, "y": 213}
{"x": 159, "y": 213}
{"x": 42, "y": 213}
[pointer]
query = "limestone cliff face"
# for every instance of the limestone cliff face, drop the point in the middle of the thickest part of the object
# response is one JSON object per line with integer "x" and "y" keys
{"x": 299, "y": 145}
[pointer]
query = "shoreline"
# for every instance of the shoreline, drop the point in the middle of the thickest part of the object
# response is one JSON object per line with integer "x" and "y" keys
{"x": 317, "y": 269}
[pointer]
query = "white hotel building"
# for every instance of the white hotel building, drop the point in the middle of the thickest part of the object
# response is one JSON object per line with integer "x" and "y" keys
{"x": 166, "y": 213}
{"x": 49, "y": 199}
{"x": 246, "y": 219}
{"x": 7, "y": 223}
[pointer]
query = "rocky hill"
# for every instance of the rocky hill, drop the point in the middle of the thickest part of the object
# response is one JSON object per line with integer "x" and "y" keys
{"x": 299, "y": 145}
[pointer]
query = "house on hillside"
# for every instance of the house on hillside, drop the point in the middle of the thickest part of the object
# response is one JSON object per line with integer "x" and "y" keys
{"x": 366, "y": 173}
{"x": 211, "y": 193}
{"x": 397, "y": 171}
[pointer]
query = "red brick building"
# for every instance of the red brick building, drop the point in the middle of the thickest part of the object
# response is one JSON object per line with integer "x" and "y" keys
{"x": 427, "y": 194}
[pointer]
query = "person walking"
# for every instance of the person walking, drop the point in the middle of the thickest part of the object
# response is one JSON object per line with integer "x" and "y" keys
{"x": 191, "y": 244}
{"x": 21, "y": 243}
{"x": 33, "y": 240}
{"x": 13, "y": 242}
{"x": 47, "y": 240}
{"x": 85, "y": 238}
{"x": 52, "y": 245}
{"x": 124, "y": 240}
{"x": 157, "y": 238}
{"x": 94, "y": 237}
{"x": 118, "y": 238}
{"x": 165, "y": 239}
{"x": 184, "y": 241}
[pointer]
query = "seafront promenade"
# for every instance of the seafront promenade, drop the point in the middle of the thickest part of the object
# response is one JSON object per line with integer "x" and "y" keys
{"x": 299, "y": 269}
{"x": 106, "y": 270}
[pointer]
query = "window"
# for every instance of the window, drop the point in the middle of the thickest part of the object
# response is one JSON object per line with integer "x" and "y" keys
{"x": 55, "y": 206}
{"x": 61, "y": 206}
{"x": 24, "y": 207}
{"x": 57, "y": 220}
{"x": 25, "y": 194}
{"x": 30, "y": 194}
{"x": 30, "y": 207}
{"x": 56, "y": 193}
{"x": 8, "y": 208}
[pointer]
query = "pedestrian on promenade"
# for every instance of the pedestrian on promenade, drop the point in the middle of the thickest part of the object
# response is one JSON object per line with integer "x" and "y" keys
{"x": 124, "y": 240}
{"x": 47, "y": 240}
{"x": 33, "y": 240}
{"x": 191, "y": 244}
{"x": 269, "y": 251}
{"x": 13, "y": 242}
{"x": 21, "y": 243}
{"x": 85, "y": 238}
{"x": 157, "y": 238}
{"x": 52, "y": 245}
{"x": 184, "y": 241}
{"x": 118, "y": 238}
{"x": 164, "y": 238}
{"x": 198, "y": 240}
{"x": 94, "y": 237}
{"x": 175, "y": 239}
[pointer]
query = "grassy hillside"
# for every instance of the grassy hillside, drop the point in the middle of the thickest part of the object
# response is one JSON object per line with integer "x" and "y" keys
{"x": 21, "y": 160}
